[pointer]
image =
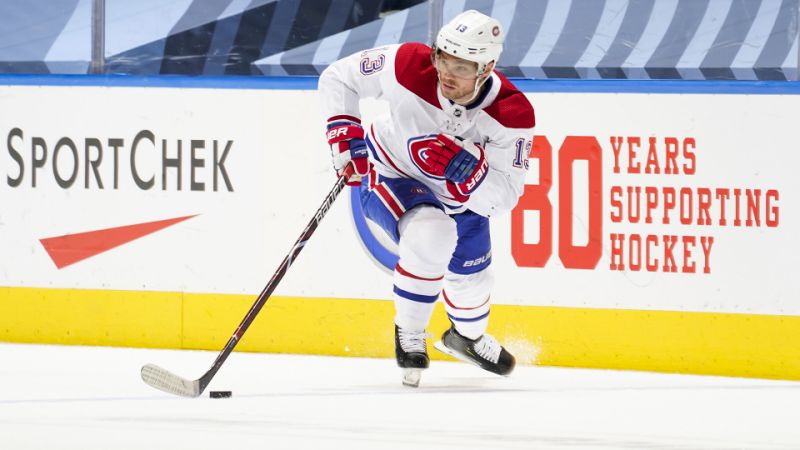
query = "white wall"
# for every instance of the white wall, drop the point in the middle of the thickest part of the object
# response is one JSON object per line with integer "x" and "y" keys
{"x": 279, "y": 171}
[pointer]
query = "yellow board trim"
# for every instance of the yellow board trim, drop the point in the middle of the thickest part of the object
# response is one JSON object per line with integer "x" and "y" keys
{"x": 746, "y": 345}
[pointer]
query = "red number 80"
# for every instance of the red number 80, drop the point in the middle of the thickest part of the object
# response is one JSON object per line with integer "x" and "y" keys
{"x": 535, "y": 198}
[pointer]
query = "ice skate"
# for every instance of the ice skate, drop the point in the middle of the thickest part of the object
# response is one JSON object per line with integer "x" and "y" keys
{"x": 412, "y": 354}
{"x": 485, "y": 352}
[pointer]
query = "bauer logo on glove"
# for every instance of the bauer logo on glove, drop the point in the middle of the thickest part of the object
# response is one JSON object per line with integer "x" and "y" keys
{"x": 346, "y": 138}
{"x": 463, "y": 164}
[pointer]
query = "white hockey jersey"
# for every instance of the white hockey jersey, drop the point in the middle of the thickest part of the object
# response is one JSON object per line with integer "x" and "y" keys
{"x": 500, "y": 119}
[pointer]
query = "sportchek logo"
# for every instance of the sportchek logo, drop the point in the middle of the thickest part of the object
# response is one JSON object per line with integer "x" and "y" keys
{"x": 68, "y": 249}
{"x": 141, "y": 161}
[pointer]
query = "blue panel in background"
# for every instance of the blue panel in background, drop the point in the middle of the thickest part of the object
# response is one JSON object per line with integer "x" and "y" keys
{"x": 29, "y": 29}
{"x": 546, "y": 39}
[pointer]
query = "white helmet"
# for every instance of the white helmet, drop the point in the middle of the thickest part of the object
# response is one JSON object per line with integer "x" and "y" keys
{"x": 473, "y": 36}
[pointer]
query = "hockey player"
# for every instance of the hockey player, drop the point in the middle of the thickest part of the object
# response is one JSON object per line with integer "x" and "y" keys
{"x": 451, "y": 153}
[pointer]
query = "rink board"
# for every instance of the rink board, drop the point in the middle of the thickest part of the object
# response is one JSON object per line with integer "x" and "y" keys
{"x": 745, "y": 345}
{"x": 152, "y": 216}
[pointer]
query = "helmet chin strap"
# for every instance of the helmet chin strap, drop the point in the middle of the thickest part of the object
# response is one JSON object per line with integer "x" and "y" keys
{"x": 479, "y": 82}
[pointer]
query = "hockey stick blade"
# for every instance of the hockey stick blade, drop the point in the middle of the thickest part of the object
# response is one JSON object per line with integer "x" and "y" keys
{"x": 167, "y": 381}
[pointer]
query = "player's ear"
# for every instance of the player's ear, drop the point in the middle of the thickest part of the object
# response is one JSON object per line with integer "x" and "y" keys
{"x": 488, "y": 71}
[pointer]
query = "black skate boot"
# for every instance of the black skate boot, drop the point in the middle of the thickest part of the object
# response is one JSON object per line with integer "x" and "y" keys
{"x": 485, "y": 352}
{"x": 412, "y": 354}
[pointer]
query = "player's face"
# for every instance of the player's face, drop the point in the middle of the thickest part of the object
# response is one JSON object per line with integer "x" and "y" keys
{"x": 456, "y": 76}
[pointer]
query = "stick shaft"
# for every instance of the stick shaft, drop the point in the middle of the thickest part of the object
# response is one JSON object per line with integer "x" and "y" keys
{"x": 275, "y": 280}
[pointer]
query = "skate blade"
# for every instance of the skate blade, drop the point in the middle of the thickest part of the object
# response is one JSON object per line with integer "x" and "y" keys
{"x": 439, "y": 345}
{"x": 411, "y": 377}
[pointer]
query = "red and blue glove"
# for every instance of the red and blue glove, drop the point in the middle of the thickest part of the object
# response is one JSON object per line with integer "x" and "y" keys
{"x": 461, "y": 162}
{"x": 346, "y": 138}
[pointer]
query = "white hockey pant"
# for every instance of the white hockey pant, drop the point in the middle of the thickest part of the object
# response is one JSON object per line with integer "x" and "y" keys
{"x": 428, "y": 238}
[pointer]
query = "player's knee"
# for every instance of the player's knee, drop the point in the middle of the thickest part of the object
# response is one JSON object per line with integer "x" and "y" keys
{"x": 427, "y": 239}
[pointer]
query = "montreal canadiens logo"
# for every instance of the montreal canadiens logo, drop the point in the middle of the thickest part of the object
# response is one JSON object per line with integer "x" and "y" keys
{"x": 418, "y": 151}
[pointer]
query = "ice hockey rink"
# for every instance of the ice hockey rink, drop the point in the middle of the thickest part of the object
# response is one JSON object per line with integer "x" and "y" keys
{"x": 69, "y": 397}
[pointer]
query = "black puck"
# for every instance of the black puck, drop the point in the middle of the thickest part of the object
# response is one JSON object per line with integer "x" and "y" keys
{"x": 220, "y": 394}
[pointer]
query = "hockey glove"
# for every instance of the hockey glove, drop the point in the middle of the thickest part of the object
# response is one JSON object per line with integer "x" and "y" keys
{"x": 346, "y": 139}
{"x": 462, "y": 163}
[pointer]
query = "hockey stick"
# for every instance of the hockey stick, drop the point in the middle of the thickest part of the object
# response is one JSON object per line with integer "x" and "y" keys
{"x": 167, "y": 381}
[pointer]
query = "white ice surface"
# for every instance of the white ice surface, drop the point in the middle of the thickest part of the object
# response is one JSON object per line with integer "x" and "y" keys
{"x": 87, "y": 398}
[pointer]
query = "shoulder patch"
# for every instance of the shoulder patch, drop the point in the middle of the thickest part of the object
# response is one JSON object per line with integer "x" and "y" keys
{"x": 415, "y": 72}
{"x": 371, "y": 64}
{"x": 511, "y": 108}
